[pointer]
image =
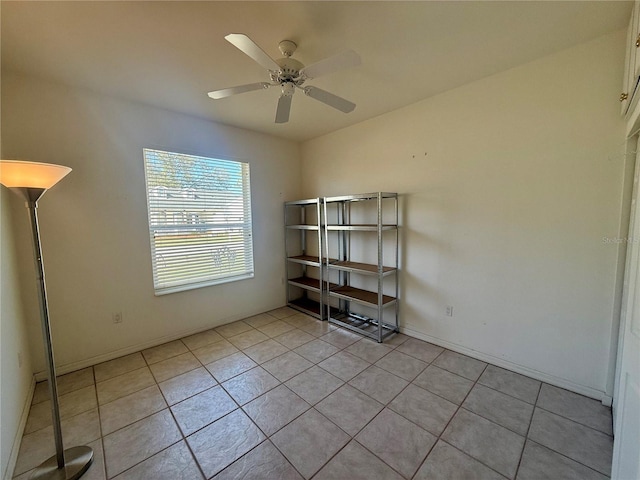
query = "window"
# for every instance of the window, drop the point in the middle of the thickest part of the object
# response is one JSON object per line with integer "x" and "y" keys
{"x": 199, "y": 220}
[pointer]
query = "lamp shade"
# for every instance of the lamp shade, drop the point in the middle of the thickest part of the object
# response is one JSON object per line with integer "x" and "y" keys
{"x": 18, "y": 173}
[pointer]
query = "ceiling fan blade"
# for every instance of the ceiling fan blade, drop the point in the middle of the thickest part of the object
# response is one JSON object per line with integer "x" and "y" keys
{"x": 284, "y": 108}
{"x": 330, "y": 99}
{"x": 227, "y": 92}
{"x": 343, "y": 60}
{"x": 248, "y": 46}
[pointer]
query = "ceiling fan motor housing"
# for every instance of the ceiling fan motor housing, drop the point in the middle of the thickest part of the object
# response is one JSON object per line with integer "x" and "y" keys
{"x": 289, "y": 70}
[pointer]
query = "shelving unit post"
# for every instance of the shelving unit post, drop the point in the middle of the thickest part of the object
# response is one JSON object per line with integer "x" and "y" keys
{"x": 303, "y": 256}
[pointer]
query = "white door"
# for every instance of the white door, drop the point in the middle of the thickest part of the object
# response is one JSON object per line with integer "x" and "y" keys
{"x": 626, "y": 445}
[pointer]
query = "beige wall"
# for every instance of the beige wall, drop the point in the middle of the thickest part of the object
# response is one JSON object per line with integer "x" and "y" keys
{"x": 508, "y": 185}
{"x": 94, "y": 223}
{"x": 15, "y": 359}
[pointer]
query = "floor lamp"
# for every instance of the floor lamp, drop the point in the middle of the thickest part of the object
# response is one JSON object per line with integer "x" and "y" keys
{"x": 31, "y": 180}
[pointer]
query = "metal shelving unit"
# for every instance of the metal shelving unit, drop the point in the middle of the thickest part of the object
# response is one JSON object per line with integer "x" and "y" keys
{"x": 365, "y": 296}
{"x": 303, "y": 253}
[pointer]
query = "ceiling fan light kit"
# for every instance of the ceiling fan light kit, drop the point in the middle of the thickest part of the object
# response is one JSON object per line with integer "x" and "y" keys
{"x": 289, "y": 74}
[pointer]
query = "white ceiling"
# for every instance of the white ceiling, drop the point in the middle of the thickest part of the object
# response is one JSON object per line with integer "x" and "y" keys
{"x": 170, "y": 54}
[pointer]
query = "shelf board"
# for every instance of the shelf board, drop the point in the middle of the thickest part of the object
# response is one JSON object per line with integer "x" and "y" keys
{"x": 300, "y": 203}
{"x": 365, "y": 297}
{"x": 365, "y": 268}
{"x": 305, "y": 305}
{"x": 360, "y": 197}
{"x": 309, "y": 283}
{"x": 305, "y": 260}
{"x": 364, "y": 326}
{"x": 368, "y": 227}
{"x": 303, "y": 227}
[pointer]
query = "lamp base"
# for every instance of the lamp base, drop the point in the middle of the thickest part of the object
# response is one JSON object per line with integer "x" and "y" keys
{"x": 77, "y": 461}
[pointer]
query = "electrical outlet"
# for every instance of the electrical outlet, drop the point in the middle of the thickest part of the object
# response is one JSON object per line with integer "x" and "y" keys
{"x": 449, "y": 311}
{"x": 117, "y": 317}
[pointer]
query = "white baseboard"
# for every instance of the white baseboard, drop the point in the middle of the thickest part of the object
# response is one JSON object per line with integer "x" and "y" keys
{"x": 17, "y": 440}
{"x": 500, "y": 362}
{"x": 514, "y": 367}
{"x": 105, "y": 357}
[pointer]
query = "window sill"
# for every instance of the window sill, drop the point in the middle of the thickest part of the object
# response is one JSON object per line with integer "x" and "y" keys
{"x": 208, "y": 283}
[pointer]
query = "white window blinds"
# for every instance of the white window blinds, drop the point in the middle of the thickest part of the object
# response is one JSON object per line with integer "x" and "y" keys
{"x": 199, "y": 220}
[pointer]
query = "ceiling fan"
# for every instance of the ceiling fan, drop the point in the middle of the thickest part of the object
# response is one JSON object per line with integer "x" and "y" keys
{"x": 289, "y": 74}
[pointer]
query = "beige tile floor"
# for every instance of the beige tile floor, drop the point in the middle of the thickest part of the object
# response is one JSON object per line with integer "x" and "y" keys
{"x": 283, "y": 396}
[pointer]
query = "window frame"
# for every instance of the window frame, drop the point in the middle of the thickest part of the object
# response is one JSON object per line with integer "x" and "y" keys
{"x": 246, "y": 225}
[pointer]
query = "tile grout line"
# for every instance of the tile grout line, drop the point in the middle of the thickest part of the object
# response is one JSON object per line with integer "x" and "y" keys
{"x": 569, "y": 458}
{"x": 572, "y": 420}
{"x": 353, "y": 438}
{"x": 168, "y": 407}
{"x": 437, "y": 437}
{"x": 534, "y": 405}
{"x": 445, "y": 427}
{"x": 95, "y": 391}
{"x": 553, "y": 450}
{"x": 339, "y": 450}
{"x": 526, "y": 436}
{"x": 220, "y": 384}
{"x": 107, "y": 477}
{"x": 186, "y": 442}
{"x": 268, "y": 437}
{"x": 504, "y": 393}
{"x": 459, "y": 407}
{"x": 240, "y": 407}
{"x": 283, "y": 383}
{"x": 98, "y": 405}
{"x": 385, "y": 406}
{"x": 144, "y": 358}
{"x": 313, "y": 406}
{"x": 157, "y": 385}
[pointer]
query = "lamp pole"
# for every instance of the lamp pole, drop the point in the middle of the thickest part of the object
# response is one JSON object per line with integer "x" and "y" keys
{"x": 46, "y": 332}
